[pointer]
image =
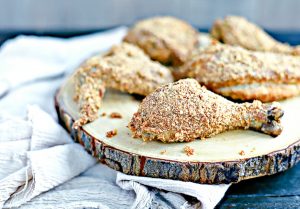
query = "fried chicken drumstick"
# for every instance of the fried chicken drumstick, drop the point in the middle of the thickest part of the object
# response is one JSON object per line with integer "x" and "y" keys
{"x": 185, "y": 111}
{"x": 244, "y": 75}
{"x": 236, "y": 30}
{"x": 126, "y": 68}
{"x": 165, "y": 39}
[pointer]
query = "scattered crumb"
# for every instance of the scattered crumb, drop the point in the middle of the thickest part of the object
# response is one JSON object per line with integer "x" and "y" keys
{"x": 112, "y": 133}
{"x": 163, "y": 152}
{"x": 188, "y": 150}
{"x": 214, "y": 42}
{"x": 115, "y": 115}
{"x": 103, "y": 114}
{"x": 253, "y": 149}
{"x": 242, "y": 152}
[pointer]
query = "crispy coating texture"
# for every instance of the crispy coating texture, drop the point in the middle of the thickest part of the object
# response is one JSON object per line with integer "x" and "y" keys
{"x": 165, "y": 39}
{"x": 236, "y": 30}
{"x": 126, "y": 68}
{"x": 185, "y": 111}
{"x": 245, "y": 75}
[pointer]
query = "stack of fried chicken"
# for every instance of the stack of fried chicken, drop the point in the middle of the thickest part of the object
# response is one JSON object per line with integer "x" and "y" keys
{"x": 193, "y": 93}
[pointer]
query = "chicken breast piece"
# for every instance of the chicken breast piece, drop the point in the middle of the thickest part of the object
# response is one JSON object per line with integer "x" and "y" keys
{"x": 165, "y": 39}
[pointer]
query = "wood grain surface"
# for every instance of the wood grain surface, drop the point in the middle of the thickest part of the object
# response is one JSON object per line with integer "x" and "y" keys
{"x": 215, "y": 160}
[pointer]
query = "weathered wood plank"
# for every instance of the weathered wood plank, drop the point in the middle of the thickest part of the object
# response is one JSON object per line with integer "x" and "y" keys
{"x": 195, "y": 171}
{"x": 263, "y": 155}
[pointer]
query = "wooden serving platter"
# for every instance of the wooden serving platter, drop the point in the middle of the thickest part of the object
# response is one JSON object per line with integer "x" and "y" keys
{"x": 228, "y": 157}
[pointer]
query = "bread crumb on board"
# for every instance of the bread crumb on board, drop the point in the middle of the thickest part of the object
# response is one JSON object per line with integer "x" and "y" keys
{"x": 242, "y": 152}
{"x": 163, "y": 152}
{"x": 115, "y": 115}
{"x": 112, "y": 133}
{"x": 103, "y": 114}
{"x": 188, "y": 150}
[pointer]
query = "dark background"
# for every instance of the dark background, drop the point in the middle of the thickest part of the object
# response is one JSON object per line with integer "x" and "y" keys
{"x": 64, "y": 18}
{"x": 71, "y": 17}
{"x": 48, "y": 15}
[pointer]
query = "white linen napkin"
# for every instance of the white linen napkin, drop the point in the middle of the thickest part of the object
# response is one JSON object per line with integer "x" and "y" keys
{"x": 39, "y": 164}
{"x": 44, "y": 157}
{"x": 208, "y": 195}
{"x": 28, "y": 58}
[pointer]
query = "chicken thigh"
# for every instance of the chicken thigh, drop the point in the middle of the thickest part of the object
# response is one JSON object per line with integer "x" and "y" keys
{"x": 244, "y": 75}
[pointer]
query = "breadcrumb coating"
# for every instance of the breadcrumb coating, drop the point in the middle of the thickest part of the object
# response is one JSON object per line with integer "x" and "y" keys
{"x": 185, "y": 111}
{"x": 235, "y": 30}
{"x": 124, "y": 67}
{"x": 245, "y": 75}
{"x": 165, "y": 39}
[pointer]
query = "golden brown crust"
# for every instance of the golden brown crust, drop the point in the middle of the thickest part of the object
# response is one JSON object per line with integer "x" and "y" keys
{"x": 246, "y": 75}
{"x": 265, "y": 92}
{"x": 88, "y": 94}
{"x": 126, "y": 68}
{"x": 236, "y": 30}
{"x": 165, "y": 39}
{"x": 184, "y": 111}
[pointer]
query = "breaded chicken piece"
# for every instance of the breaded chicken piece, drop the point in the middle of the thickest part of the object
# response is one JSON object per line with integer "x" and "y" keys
{"x": 185, "y": 111}
{"x": 236, "y": 30}
{"x": 244, "y": 75}
{"x": 126, "y": 68}
{"x": 165, "y": 39}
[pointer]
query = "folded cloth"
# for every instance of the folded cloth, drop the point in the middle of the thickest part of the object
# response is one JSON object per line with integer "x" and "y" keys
{"x": 40, "y": 166}
{"x": 36, "y": 155}
{"x": 208, "y": 195}
{"x": 28, "y": 58}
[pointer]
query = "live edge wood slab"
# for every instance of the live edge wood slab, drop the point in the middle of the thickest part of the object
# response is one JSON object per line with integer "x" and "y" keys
{"x": 228, "y": 157}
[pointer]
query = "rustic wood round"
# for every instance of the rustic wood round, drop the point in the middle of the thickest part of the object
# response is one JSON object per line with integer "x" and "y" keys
{"x": 228, "y": 157}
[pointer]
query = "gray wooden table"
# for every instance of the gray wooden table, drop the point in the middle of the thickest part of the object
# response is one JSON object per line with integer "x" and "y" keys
{"x": 278, "y": 191}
